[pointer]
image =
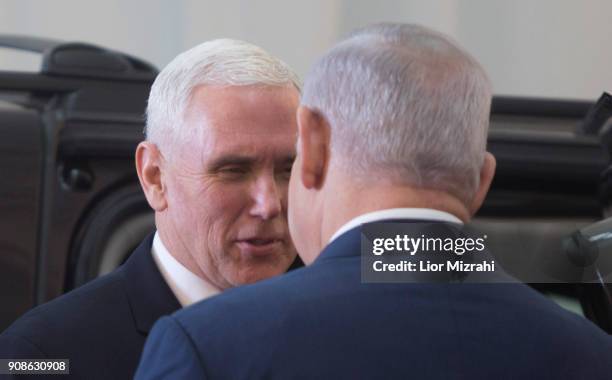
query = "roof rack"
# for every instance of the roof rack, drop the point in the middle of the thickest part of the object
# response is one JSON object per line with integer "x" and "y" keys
{"x": 60, "y": 58}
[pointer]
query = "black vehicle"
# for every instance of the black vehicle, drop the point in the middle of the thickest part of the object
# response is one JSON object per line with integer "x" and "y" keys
{"x": 70, "y": 203}
{"x": 71, "y": 208}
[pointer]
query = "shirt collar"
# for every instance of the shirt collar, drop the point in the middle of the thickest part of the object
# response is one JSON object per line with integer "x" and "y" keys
{"x": 186, "y": 286}
{"x": 397, "y": 213}
{"x": 149, "y": 295}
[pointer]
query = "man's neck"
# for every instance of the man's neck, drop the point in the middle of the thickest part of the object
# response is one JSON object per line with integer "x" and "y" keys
{"x": 342, "y": 206}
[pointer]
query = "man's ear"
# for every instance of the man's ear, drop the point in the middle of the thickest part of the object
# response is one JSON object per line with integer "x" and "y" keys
{"x": 487, "y": 171}
{"x": 148, "y": 167}
{"x": 313, "y": 141}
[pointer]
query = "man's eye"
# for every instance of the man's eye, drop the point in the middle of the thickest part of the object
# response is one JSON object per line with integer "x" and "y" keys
{"x": 233, "y": 170}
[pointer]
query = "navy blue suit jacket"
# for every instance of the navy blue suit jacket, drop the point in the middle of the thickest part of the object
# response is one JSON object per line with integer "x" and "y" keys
{"x": 102, "y": 326}
{"x": 321, "y": 322}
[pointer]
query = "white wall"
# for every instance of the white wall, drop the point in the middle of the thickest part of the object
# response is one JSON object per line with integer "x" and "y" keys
{"x": 552, "y": 48}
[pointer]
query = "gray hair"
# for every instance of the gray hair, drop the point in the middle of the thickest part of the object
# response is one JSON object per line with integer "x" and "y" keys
{"x": 221, "y": 62}
{"x": 406, "y": 104}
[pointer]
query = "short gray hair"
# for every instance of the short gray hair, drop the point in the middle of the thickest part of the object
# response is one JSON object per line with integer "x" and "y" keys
{"x": 406, "y": 104}
{"x": 221, "y": 62}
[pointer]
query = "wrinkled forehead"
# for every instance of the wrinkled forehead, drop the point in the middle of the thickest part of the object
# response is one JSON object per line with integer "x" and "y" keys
{"x": 218, "y": 149}
{"x": 229, "y": 149}
{"x": 248, "y": 120}
{"x": 251, "y": 109}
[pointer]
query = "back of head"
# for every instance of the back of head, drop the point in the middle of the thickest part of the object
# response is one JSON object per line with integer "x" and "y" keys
{"x": 221, "y": 62}
{"x": 405, "y": 104}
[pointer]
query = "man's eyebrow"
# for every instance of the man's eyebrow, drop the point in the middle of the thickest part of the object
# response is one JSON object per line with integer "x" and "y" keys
{"x": 241, "y": 160}
{"x": 231, "y": 159}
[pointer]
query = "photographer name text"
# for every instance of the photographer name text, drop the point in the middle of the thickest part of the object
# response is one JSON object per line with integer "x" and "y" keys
{"x": 403, "y": 244}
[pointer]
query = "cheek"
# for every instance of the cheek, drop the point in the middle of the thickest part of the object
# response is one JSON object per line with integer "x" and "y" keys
{"x": 219, "y": 208}
{"x": 296, "y": 217}
{"x": 206, "y": 211}
{"x": 291, "y": 197}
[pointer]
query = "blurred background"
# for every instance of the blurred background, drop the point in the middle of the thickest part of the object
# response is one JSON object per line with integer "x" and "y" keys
{"x": 71, "y": 208}
{"x": 544, "y": 48}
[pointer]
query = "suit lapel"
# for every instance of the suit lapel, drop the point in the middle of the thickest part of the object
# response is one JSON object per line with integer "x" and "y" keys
{"x": 149, "y": 296}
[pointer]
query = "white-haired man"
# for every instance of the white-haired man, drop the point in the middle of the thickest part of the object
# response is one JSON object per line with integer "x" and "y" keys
{"x": 392, "y": 127}
{"x": 215, "y": 168}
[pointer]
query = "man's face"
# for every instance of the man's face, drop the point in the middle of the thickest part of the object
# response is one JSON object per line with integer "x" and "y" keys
{"x": 226, "y": 190}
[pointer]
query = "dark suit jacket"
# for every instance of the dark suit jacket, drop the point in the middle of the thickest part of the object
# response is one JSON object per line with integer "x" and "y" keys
{"x": 102, "y": 326}
{"x": 321, "y": 322}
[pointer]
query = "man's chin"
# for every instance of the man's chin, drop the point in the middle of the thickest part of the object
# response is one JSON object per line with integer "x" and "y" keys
{"x": 262, "y": 271}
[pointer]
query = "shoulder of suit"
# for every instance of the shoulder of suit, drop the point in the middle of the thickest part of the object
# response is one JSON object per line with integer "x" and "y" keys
{"x": 17, "y": 347}
{"x": 58, "y": 316}
{"x": 245, "y": 303}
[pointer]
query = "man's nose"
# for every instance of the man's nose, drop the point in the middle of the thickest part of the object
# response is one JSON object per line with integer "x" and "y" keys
{"x": 267, "y": 197}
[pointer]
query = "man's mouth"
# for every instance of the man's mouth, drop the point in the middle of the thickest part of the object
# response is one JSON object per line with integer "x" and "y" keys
{"x": 259, "y": 246}
{"x": 261, "y": 241}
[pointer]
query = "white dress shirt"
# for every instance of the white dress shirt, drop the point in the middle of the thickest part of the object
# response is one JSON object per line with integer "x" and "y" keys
{"x": 187, "y": 287}
{"x": 397, "y": 213}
